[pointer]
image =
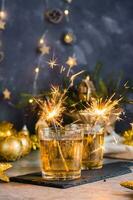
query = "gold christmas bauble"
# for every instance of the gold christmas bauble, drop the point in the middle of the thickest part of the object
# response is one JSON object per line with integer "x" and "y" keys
{"x": 23, "y": 136}
{"x": 10, "y": 148}
{"x": 35, "y": 142}
{"x": 68, "y": 38}
{"x": 6, "y": 129}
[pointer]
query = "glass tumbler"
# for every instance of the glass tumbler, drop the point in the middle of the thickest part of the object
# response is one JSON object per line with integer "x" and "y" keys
{"x": 93, "y": 143}
{"x": 60, "y": 153}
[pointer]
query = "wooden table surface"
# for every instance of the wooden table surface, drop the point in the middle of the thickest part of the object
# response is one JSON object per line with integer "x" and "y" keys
{"x": 109, "y": 190}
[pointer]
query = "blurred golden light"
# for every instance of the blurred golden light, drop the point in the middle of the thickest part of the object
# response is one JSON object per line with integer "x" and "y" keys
{"x": 66, "y": 12}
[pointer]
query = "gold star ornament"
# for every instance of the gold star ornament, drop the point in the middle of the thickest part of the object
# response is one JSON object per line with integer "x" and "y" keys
{"x": 68, "y": 38}
{"x": 6, "y": 94}
{"x": 44, "y": 50}
{"x": 127, "y": 184}
{"x": 71, "y": 62}
{"x": 4, "y": 167}
{"x": 2, "y": 25}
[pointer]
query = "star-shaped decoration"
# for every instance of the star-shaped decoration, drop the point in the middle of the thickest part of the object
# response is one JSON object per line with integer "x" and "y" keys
{"x": 71, "y": 62}
{"x": 127, "y": 184}
{"x": 4, "y": 167}
{"x": 7, "y": 94}
{"x": 2, "y": 25}
{"x": 44, "y": 49}
{"x": 52, "y": 62}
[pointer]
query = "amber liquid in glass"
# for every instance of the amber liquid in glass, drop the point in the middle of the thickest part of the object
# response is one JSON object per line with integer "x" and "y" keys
{"x": 93, "y": 151}
{"x": 61, "y": 159}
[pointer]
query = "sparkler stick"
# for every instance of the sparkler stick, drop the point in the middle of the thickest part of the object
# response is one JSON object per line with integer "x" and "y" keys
{"x": 51, "y": 111}
{"x": 60, "y": 151}
{"x": 62, "y": 157}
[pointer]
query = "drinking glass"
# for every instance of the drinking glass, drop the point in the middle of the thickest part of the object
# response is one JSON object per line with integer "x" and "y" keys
{"x": 61, "y": 153}
{"x": 92, "y": 157}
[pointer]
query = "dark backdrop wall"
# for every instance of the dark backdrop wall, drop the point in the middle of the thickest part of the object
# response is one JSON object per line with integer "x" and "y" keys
{"x": 103, "y": 30}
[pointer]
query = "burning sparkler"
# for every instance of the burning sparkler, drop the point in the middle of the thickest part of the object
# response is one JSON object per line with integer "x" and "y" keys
{"x": 102, "y": 111}
{"x": 51, "y": 110}
{"x": 99, "y": 111}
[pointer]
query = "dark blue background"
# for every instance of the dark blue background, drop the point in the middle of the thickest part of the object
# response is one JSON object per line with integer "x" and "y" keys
{"x": 103, "y": 30}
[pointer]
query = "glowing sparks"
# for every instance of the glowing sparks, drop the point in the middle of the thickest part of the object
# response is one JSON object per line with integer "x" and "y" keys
{"x": 103, "y": 111}
{"x": 7, "y": 94}
{"x": 52, "y": 62}
{"x": 52, "y": 109}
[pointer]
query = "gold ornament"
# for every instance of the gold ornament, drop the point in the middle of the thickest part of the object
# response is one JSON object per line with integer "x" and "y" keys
{"x": 68, "y": 38}
{"x": 7, "y": 94}
{"x": 23, "y": 136}
{"x": 4, "y": 167}
{"x": 54, "y": 16}
{"x": 128, "y": 137}
{"x": 127, "y": 184}
{"x": 6, "y": 129}
{"x": 44, "y": 49}
{"x": 86, "y": 89}
{"x": 71, "y": 62}
{"x": 35, "y": 142}
{"x": 10, "y": 148}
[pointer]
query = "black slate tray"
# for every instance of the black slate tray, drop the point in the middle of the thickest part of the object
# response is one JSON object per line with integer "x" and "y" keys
{"x": 108, "y": 171}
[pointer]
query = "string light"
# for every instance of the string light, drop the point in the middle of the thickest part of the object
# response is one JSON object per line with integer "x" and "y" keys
{"x": 31, "y": 100}
{"x": 3, "y": 15}
{"x": 41, "y": 41}
{"x": 66, "y": 12}
{"x": 37, "y": 69}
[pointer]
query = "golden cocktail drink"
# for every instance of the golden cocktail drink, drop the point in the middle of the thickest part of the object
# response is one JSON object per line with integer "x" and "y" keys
{"x": 92, "y": 149}
{"x": 61, "y": 154}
